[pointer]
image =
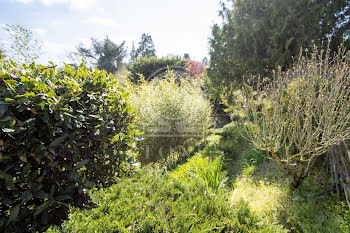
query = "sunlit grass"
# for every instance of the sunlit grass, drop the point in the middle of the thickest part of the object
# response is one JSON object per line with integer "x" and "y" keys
{"x": 204, "y": 169}
{"x": 263, "y": 198}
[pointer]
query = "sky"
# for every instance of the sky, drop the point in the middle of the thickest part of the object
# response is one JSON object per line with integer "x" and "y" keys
{"x": 176, "y": 27}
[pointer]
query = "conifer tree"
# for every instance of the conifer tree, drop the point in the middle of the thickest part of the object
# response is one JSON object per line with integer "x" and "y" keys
{"x": 257, "y": 36}
{"x": 145, "y": 49}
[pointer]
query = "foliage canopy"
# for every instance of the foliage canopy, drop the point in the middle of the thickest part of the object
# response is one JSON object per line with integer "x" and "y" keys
{"x": 257, "y": 36}
{"x": 104, "y": 55}
{"x": 151, "y": 67}
{"x": 146, "y": 48}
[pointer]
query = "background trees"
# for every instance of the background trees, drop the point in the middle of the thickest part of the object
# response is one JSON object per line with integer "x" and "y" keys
{"x": 145, "y": 49}
{"x": 2, "y": 53}
{"x": 335, "y": 23}
{"x": 25, "y": 46}
{"x": 257, "y": 36}
{"x": 196, "y": 69}
{"x": 104, "y": 55}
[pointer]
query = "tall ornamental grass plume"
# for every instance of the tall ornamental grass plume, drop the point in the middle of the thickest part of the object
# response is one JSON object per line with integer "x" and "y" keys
{"x": 170, "y": 112}
{"x": 302, "y": 113}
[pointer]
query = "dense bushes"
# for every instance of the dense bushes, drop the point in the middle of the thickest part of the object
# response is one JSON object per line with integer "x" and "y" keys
{"x": 61, "y": 132}
{"x": 156, "y": 201}
{"x": 232, "y": 141}
{"x": 186, "y": 199}
{"x": 151, "y": 67}
{"x": 169, "y": 113}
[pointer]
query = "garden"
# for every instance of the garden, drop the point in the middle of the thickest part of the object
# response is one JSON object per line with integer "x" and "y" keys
{"x": 257, "y": 140}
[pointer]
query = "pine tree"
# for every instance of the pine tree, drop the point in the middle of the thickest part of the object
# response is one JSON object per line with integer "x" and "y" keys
{"x": 145, "y": 49}
{"x": 133, "y": 53}
{"x": 146, "y": 46}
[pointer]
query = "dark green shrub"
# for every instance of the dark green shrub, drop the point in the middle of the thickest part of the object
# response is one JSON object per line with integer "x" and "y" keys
{"x": 232, "y": 142}
{"x": 151, "y": 67}
{"x": 315, "y": 208}
{"x": 313, "y": 214}
{"x": 61, "y": 132}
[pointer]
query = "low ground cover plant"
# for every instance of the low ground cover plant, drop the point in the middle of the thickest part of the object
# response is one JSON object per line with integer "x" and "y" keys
{"x": 157, "y": 201}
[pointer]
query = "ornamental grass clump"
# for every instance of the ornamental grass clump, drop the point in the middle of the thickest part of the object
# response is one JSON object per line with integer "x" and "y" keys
{"x": 170, "y": 112}
{"x": 303, "y": 112}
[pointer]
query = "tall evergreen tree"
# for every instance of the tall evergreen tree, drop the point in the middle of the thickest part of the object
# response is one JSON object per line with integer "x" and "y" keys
{"x": 145, "y": 48}
{"x": 257, "y": 36}
{"x": 133, "y": 53}
{"x": 335, "y": 22}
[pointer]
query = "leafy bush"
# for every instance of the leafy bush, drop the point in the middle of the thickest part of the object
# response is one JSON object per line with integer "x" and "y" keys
{"x": 169, "y": 113}
{"x": 61, "y": 132}
{"x": 248, "y": 161}
{"x": 196, "y": 69}
{"x": 150, "y": 67}
{"x": 253, "y": 156}
{"x": 306, "y": 112}
{"x": 152, "y": 202}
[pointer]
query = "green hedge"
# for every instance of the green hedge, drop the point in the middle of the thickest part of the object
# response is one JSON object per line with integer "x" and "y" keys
{"x": 150, "y": 67}
{"x": 62, "y": 132}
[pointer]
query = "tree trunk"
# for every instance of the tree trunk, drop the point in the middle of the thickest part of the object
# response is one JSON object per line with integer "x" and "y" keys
{"x": 345, "y": 181}
{"x": 340, "y": 170}
{"x": 334, "y": 173}
{"x": 297, "y": 182}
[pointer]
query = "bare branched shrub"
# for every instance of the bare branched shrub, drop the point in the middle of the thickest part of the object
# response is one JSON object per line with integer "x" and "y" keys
{"x": 303, "y": 112}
